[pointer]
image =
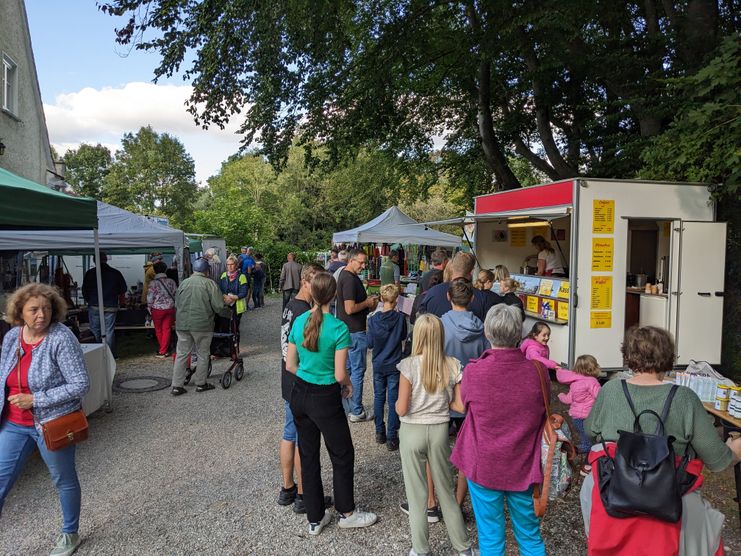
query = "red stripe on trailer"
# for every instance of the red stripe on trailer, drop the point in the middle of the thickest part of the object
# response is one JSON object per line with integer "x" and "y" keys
{"x": 549, "y": 195}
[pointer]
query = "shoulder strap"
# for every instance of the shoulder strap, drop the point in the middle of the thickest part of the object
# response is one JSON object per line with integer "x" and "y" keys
{"x": 546, "y": 402}
{"x": 164, "y": 286}
{"x": 627, "y": 397}
{"x": 668, "y": 403}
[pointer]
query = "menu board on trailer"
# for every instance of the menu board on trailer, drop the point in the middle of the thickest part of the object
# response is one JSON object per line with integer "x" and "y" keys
{"x": 518, "y": 237}
{"x": 601, "y": 296}
{"x": 602, "y": 254}
{"x": 600, "y": 319}
{"x": 603, "y": 216}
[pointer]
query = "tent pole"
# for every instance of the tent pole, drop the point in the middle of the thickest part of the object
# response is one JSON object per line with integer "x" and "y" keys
{"x": 470, "y": 245}
{"x": 101, "y": 316}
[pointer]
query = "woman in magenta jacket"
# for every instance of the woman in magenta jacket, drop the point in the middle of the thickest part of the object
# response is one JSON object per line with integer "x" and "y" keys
{"x": 498, "y": 448}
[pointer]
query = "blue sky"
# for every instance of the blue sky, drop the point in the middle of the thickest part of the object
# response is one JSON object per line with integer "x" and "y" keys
{"x": 95, "y": 90}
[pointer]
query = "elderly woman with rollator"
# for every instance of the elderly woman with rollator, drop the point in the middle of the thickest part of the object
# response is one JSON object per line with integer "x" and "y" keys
{"x": 43, "y": 378}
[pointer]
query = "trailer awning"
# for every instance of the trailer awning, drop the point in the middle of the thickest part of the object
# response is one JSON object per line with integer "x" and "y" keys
{"x": 543, "y": 214}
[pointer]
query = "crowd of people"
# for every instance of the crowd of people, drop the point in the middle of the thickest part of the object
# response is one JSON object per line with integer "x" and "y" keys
{"x": 466, "y": 372}
{"x": 462, "y": 374}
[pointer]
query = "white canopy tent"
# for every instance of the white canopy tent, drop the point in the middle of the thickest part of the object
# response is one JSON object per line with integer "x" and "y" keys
{"x": 393, "y": 226}
{"x": 119, "y": 231}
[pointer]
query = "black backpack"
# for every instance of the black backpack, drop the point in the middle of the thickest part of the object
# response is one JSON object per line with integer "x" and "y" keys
{"x": 643, "y": 478}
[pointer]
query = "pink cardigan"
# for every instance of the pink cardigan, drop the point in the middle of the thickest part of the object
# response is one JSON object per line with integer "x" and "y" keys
{"x": 535, "y": 351}
{"x": 582, "y": 392}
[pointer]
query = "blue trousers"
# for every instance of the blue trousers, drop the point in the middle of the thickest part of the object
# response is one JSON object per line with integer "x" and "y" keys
{"x": 585, "y": 445}
{"x": 488, "y": 507}
{"x": 110, "y": 327}
{"x": 16, "y": 444}
{"x": 356, "y": 364}
{"x": 386, "y": 386}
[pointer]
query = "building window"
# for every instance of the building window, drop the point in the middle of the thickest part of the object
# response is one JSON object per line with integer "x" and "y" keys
{"x": 10, "y": 85}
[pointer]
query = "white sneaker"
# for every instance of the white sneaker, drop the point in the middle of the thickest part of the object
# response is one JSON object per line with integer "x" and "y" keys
{"x": 316, "y": 528}
{"x": 66, "y": 545}
{"x": 358, "y": 519}
{"x": 413, "y": 553}
{"x": 362, "y": 417}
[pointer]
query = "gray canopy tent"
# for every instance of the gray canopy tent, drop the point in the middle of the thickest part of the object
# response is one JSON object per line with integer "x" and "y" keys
{"x": 393, "y": 226}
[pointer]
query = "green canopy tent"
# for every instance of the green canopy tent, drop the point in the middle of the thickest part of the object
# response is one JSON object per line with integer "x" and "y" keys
{"x": 25, "y": 204}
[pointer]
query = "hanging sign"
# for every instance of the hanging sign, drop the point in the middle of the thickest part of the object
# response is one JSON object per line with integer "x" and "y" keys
{"x": 544, "y": 231}
{"x": 603, "y": 216}
{"x": 601, "y": 292}
{"x": 602, "y": 254}
{"x": 600, "y": 319}
{"x": 518, "y": 237}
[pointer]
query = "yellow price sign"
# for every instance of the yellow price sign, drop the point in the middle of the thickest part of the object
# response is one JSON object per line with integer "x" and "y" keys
{"x": 601, "y": 292}
{"x": 603, "y": 216}
{"x": 600, "y": 319}
{"x": 518, "y": 237}
{"x": 602, "y": 254}
{"x": 532, "y": 304}
{"x": 563, "y": 311}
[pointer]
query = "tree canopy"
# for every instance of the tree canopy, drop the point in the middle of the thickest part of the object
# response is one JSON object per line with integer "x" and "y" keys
{"x": 87, "y": 168}
{"x": 570, "y": 86}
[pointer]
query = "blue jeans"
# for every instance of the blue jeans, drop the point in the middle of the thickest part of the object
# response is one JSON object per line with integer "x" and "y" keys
{"x": 110, "y": 327}
{"x": 289, "y": 425}
{"x": 356, "y": 368}
{"x": 16, "y": 444}
{"x": 383, "y": 384}
{"x": 585, "y": 445}
{"x": 488, "y": 507}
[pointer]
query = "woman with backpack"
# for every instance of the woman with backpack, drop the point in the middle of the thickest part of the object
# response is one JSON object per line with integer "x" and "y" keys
{"x": 498, "y": 446}
{"x": 649, "y": 354}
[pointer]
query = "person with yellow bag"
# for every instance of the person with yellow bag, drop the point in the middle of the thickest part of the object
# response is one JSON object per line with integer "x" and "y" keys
{"x": 234, "y": 285}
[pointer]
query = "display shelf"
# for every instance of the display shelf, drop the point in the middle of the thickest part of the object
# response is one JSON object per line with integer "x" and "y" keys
{"x": 541, "y": 317}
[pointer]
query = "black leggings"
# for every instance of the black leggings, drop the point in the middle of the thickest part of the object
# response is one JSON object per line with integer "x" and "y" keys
{"x": 317, "y": 411}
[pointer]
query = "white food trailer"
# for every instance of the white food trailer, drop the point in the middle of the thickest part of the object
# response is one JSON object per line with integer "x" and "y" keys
{"x": 612, "y": 235}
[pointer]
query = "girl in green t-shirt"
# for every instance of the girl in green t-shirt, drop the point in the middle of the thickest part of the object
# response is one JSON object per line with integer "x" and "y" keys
{"x": 317, "y": 353}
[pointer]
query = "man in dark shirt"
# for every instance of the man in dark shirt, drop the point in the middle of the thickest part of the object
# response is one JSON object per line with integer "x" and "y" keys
{"x": 353, "y": 306}
{"x": 292, "y": 491}
{"x": 434, "y": 276}
{"x": 436, "y": 300}
{"x": 114, "y": 285}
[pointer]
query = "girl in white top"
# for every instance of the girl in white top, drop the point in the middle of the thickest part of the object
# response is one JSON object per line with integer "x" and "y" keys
{"x": 429, "y": 387}
{"x": 548, "y": 264}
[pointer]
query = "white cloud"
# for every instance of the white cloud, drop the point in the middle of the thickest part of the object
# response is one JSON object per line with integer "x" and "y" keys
{"x": 104, "y": 115}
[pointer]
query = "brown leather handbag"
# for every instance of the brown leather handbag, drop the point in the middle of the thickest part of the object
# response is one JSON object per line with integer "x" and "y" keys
{"x": 63, "y": 431}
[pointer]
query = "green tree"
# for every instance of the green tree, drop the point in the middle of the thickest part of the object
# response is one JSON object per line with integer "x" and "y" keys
{"x": 87, "y": 168}
{"x": 570, "y": 86}
{"x": 152, "y": 174}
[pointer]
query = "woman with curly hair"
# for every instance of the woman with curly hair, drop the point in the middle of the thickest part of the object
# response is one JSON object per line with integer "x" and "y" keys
{"x": 43, "y": 377}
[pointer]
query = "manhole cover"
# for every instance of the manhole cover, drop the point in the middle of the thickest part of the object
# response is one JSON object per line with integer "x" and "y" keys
{"x": 141, "y": 384}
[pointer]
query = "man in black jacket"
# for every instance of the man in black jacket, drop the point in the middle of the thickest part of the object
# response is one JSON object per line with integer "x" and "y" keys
{"x": 113, "y": 285}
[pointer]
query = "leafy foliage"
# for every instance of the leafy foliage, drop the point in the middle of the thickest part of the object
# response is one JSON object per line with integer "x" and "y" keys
{"x": 152, "y": 174}
{"x": 87, "y": 168}
{"x": 570, "y": 86}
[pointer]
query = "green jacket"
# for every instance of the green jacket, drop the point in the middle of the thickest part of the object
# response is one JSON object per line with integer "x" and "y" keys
{"x": 197, "y": 302}
{"x": 388, "y": 272}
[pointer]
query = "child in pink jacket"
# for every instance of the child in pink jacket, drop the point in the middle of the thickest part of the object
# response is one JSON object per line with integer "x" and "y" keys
{"x": 535, "y": 345}
{"x": 583, "y": 390}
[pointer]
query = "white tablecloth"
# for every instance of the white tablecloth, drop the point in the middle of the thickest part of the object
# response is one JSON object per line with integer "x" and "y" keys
{"x": 100, "y": 388}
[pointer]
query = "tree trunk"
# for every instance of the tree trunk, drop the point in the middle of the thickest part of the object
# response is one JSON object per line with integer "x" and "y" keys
{"x": 493, "y": 152}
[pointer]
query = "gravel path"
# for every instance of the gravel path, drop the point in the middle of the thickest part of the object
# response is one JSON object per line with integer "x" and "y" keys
{"x": 199, "y": 474}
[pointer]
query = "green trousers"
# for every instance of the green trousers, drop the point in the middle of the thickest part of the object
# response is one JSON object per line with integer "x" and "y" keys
{"x": 419, "y": 445}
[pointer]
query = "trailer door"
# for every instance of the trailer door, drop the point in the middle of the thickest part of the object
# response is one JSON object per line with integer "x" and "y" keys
{"x": 696, "y": 295}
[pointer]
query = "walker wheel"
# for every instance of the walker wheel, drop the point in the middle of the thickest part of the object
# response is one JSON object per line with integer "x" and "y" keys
{"x": 188, "y": 376}
{"x": 210, "y": 368}
{"x": 226, "y": 380}
{"x": 239, "y": 371}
